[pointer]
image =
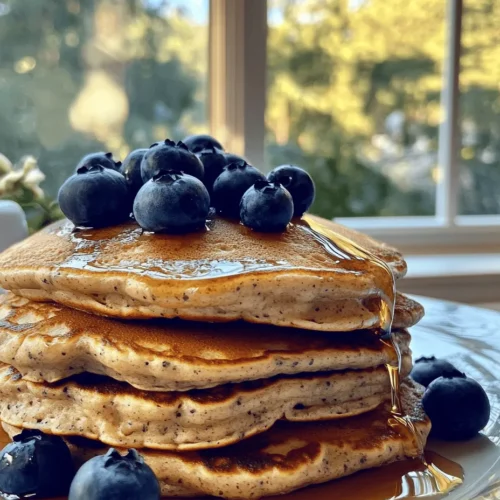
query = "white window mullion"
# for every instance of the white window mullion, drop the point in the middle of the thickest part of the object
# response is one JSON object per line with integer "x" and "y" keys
{"x": 237, "y": 55}
{"x": 449, "y": 133}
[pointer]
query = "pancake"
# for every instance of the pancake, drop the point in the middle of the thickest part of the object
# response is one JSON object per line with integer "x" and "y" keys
{"x": 48, "y": 342}
{"x": 407, "y": 312}
{"x": 311, "y": 276}
{"x": 289, "y": 456}
{"x": 115, "y": 413}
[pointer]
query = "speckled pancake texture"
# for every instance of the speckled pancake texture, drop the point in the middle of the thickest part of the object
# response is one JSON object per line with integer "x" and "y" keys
{"x": 115, "y": 413}
{"x": 289, "y": 456}
{"x": 240, "y": 364}
{"x": 49, "y": 342}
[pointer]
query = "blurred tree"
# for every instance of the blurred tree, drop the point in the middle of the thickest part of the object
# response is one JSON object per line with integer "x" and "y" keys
{"x": 354, "y": 86}
{"x": 85, "y": 75}
{"x": 354, "y": 92}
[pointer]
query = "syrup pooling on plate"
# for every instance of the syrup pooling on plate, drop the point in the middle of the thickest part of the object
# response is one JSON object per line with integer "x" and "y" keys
{"x": 407, "y": 480}
{"x": 432, "y": 476}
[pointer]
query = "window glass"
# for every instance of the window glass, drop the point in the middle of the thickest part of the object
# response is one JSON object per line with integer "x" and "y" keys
{"x": 354, "y": 96}
{"x": 479, "y": 154}
{"x": 78, "y": 76}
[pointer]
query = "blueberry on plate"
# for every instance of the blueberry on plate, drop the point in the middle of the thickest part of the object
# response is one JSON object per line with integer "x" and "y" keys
{"x": 266, "y": 206}
{"x": 35, "y": 464}
{"x": 103, "y": 159}
{"x": 172, "y": 202}
{"x": 197, "y": 143}
{"x": 299, "y": 183}
{"x": 213, "y": 161}
{"x": 457, "y": 406}
{"x": 115, "y": 477}
{"x": 131, "y": 170}
{"x": 95, "y": 197}
{"x": 168, "y": 155}
{"x": 426, "y": 370}
{"x": 231, "y": 185}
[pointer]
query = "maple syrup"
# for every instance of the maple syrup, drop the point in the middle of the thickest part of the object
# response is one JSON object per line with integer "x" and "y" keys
{"x": 344, "y": 250}
{"x": 434, "y": 477}
{"x": 426, "y": 477}
{"x": 407, "y": 480}
{"x": 307, "y": 245}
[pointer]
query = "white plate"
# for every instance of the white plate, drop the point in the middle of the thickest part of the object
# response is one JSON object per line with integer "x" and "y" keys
{"x": 468, "y": 337}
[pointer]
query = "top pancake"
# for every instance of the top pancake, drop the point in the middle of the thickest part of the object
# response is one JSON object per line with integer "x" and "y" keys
{"x": 316, "y": 275}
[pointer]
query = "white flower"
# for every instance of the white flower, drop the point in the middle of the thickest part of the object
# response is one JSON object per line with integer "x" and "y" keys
{"x": 33, "y": 176}
{"x": 28, "y": 163}
{"x": 5, "y": 164}
{"x": 9, "y": 181}
{"x": 28, "y": 176}
{"x": 32, "y": 181}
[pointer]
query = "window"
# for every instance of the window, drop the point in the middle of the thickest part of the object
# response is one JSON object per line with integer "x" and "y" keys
{"x": 480, "y": 109}
{"x": 414, "y": 199}
{"x": 394, "y": 106}
{"x": 354, "y": 96}
{"x": 78, "y": 76}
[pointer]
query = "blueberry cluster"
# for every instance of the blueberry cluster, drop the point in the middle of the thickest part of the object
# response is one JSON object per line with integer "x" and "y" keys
{"x": 170, "y": 187}
{"x": 37, "y": 464}
{"x": 457, "y": 406}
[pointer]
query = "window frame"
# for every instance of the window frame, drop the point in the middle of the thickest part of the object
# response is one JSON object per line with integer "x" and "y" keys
{"x": 237, "y": 80}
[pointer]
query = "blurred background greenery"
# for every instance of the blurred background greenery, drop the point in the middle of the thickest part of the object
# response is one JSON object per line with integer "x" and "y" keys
{"x": 353, "y": 92}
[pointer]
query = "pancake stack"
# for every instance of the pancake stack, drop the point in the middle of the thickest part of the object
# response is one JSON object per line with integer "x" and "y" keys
{"x": 240, "y": 364}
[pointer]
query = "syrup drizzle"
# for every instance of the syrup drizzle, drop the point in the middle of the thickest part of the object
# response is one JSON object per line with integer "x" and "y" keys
{"x": 429, "y": 479}
{"x": 343, "y": 249}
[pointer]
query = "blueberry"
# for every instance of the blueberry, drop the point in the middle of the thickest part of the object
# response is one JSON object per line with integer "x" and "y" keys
{"x": 115, "y": 477}
{"x": 100, "y": 158}
{"x": 231, "y": 185}
{"x": 35, "y": 464}
{"x": 168, "y": 155}
{"x": 299, "y": 183}
{"x": 197, "y": 143}
{"x": 426, "y": 370}
{"x": 231, "y": 158}
{"x": 457, "y": 406}
{"x": 266, "y": 206}
{"x": 213, "y": 161}
{"x": 131, "y": 170}
{"x": 95, "y": 197}
{"x": 172, "y": 202}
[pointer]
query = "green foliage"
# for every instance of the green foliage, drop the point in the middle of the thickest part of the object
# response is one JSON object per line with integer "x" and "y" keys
{"x": 353, "y": 94}
{"x": 340, "y": 69}
{"x": 86, "y": 75}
